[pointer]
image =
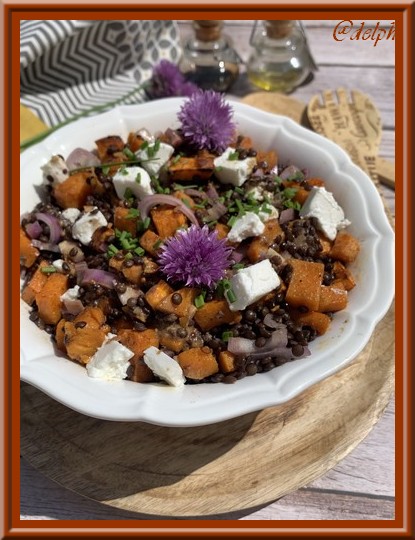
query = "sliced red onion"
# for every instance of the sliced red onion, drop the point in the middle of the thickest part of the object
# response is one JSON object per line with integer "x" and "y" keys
{"x": 288, "y": 214}
{"x": 270, "y": 321}
{"x": 212, "y": 193}
{"x": 74, "y": 306}
{"x": 195, "y": 193}
{"x": 102, "y": 277}
{"x": 145, "y": 134}
{"x": 148, "y": 202}
{"x": 246, "y": 347}
{"x": 257, "y": 173}
{"x": 217, "y": 211}
{"x": 81, "y": 158}
{"x": 289, "y": 171}
{"x": 237, "y": 256}
{"x": 55, "y": 231}
{"x": 241, "y": 346}
{"x": 173, "y": 138}
{"x": 80, "y": 269}
{"x": 274, "y": 170}
{"x": 45, "y": 246}
{"x": 34, "y": 230}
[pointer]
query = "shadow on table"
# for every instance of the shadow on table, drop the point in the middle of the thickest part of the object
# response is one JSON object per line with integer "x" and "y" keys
{"x": 134, "y": 461}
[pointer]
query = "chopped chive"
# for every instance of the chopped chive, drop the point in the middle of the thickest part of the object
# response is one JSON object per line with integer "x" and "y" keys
{"x": 127, "y": 152}
{"x": 139, "y": 251}
{"x": 176, "y": 159}
{"x": 48, "y": 269}
{"x": 138, "y": 178}
{"x": 144, "y": 145}
{"x": 226, "y": 335}
{"x": 218, "y": 169}
{"x": 133, "y": 213}
{"x": 277, "y": 179}
{"x": 128, "y": 194}
{"x": 200, "y": 300}
{"x": 289, "y": 193}
{"x": 105, "y": 170}
{"x": 230, "y": 295}
{"x": 128, "y": 256}
{"x": 157, "y": 145}
{"x": 146, "y": 223}
{"x": 239, "y": 190}
{"x": 179, "y": 187}
{"x": 238, "y": 266}
{"x": 231, "y": 221}
{"x": 234, "y": 156}
{"x": 157, "y": 244}
{"x": 266, "y": 209}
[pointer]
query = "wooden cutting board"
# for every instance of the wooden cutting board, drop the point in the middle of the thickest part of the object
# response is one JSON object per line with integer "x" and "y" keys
{"x": 233, "y": 465}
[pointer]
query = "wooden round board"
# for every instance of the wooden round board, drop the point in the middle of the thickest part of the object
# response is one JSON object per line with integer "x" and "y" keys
{"x": 230, "y": 466}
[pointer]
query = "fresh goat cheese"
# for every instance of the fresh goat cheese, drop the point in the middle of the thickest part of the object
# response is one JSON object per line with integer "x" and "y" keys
{"x": 84, "y": 227}
{"x": 268, "y": 212}
{"x": 71, "y": 214}
{"x": 246, "y": 226}
{"x": 58, "y": 264}
{"x": 135, "y": 179}
{"x": 55, "y": 171}
{"x": 233, "y": 171}
{"x": 70, "y": 294}
{"x": 321, "y": 205}
{"x": 110, "y": 362}
{"x": 157, "y": 154}
{"x": 164, "y": 366}
{"x": 252, "y": 283}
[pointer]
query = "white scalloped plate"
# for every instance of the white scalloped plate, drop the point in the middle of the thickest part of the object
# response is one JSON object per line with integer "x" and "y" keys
{"x": 194, "y": 405}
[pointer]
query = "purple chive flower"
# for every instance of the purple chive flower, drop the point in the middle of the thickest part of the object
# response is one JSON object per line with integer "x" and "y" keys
{"x": 168, "y": 81}
{"x": 195, "y": 256}
{"x": 207, "y": 121}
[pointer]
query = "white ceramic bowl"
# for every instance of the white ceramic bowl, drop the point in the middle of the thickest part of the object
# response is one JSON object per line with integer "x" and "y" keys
{"x": 67, "y": 382}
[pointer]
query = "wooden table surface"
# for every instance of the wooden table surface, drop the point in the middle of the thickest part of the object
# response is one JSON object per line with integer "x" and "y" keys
{"x": 362, "y": 486}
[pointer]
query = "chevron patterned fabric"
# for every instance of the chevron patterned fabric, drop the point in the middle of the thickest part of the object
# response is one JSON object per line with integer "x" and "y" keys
{"x": 69, "y": 66}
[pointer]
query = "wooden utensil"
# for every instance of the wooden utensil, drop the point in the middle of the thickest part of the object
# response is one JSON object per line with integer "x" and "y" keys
{"x": 351, "y": 120}
{"x": 298, "y": 111}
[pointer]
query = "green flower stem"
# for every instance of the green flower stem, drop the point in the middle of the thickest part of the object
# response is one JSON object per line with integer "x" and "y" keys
{"x": 97, "y": 108}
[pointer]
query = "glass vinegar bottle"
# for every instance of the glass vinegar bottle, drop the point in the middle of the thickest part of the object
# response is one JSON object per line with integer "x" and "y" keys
{"x": 209, "y": 59}
{"x": 280, "y": 60}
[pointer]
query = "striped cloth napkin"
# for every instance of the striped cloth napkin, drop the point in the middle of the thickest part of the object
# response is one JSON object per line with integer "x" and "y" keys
{"x": 69, "y": 66}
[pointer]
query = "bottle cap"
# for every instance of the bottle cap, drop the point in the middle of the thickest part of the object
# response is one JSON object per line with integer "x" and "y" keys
{"x": 207, "y": 30}
{"x": 278, "y": 29}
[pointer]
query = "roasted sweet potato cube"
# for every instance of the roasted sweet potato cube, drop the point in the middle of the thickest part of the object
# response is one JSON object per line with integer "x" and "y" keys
{"x": 258, "y": 247}
{"x": 28, "y": 253}
{"x": 188, "y": 295}
{"x": 244, "y": 142}
{"x": 305, "y": 284}
{"x": 185, "y": 169}
{"x": 332, "y": 299}
{"x": 214, "y": 314}
{"x": 198, "y": 363}
{"x": 60, "y": 335}
{"x": 167, "y": 220}
{"x": 222, "y": 230}
{"x": 171, "y": 342}
{"x": 343, "y": 276}
{"x": 345, "y": 248}
{"x": 108, "y": 146}
{"x": 134, "y": 141}
{"x": 227, "y": 361}
{"x": 151, "y": 242}
{"x": 35, "y": 284}
{"x": 138, "y": 342}
{"x": 124, "y": 221}
{"x": 133, "y": 273}
{"x": 187, "y": 200}
{"x": 325, "y": 243}
{"x": 157, "y": 293}
{"x": 319, "y": 321}
{"x": 48, "y": 299}
{"x": 268, "y": 159}
{"x": 72, "y": 192}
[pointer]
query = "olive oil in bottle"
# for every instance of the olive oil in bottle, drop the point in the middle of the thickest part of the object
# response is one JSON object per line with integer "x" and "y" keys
{"x": 280, "y": 60}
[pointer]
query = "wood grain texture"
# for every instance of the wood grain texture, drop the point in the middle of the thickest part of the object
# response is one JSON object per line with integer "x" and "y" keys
{"x": 237, "y": 464}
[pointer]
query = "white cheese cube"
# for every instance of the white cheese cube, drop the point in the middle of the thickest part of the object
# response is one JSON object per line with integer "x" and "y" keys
{"x": 55, "y": 171}
{"x": 164, "y": 366}
{"x": 136, "y": 179}
{"x": 71, "y": 214}
{"x": 84, "y": 228}
{"x": 247, "y": 225}
{"x": 157, "y": 158}
{"x": 110, "y": 362}
{"x": 268, "y": 212}
{"x": 70, "y": 294}
{"x": 252, "y": 283}
{"x": 233, "y": 171}
{"x": 58, "y": 264}
{"x": 321, "y": 205}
